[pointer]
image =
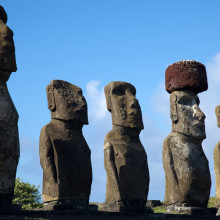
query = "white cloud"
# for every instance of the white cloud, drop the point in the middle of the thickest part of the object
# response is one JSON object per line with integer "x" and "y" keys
{"x": 213, "y": 70}
{"x": 29, "y": 168}
{"x": 160, "y": 100}
{"x": 96, "y": 98}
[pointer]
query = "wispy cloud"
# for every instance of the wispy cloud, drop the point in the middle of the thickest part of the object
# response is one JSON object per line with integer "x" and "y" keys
{"x": 29, "y": 168}
{"x": 96, "y": 98}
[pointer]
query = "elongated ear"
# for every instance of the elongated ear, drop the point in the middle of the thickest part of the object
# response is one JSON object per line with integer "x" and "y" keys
{"x": 173, "y": 108}
{"x": 217, "y": 112}
{"x": 108, "y": 97}
{"x": 50, "y": 98}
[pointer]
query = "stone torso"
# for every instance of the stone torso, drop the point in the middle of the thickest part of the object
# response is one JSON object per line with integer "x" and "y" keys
{"x": 130, "y": 161}
{"x": 187, "y": 171}
{"x": 217, "y": 173}
{"x": 72, "y": 166}
{"x": 9, "y": 142}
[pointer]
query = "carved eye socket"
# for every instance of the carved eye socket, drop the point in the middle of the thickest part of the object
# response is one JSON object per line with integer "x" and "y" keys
{"x": 186, "y": 101}
{"x": 80, "y": 92}
{"x": 131, "y": 91}
{"x": 119, "y": 92}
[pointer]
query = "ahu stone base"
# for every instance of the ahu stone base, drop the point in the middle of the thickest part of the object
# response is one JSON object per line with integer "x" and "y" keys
{"x": 8, "y": 208}
{"x": 218, "y": 212}
{"x": 68, "y": 205}
{"x": 125, "y": 209}
{"x": 94, "y": 215}
{"x": 182, "y": 209}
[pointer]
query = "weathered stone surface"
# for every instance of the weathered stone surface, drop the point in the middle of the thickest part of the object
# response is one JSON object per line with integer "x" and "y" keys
{"x": 64, "y": 153}
{"x": 125, "y": 112}
{"x": 9, "y": 140}
{"x": 7, "y": 49}
{"x": 183, "y": 209}
{"x": 218, "y": 212}
{"x": 186, "y": 75}
{"x": 186, "y": 166}
{"x": 124, "y": 154}
{"x": 128, "y": 209}
{"x": 217, "y": 162}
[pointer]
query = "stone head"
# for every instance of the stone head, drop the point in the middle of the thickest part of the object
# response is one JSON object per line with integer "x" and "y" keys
{"x": 66, "y": 102}
{"x": 187, "y": 117}
{"x": 123, "y": 105}
{"x": 7, "y": 48}
{"x": 217, "y": 112}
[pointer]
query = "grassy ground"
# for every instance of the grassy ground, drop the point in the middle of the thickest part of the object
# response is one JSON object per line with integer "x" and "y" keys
{"x": 162, "y": 208}
{"x": 211, "y": 203}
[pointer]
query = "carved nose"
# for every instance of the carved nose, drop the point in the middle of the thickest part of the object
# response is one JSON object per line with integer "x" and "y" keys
{"x": 133, "y": 102}
{"x": 133, "y": 105}
{"x": 197, "y": 113}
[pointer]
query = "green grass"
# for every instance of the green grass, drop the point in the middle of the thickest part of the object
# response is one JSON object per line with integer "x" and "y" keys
{"x": 159, "y": 209}
{"x": 211, "y": 203}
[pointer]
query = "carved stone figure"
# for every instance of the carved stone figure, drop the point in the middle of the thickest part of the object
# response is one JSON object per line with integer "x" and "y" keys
{"x": 9, "y": 140}
{"x": 64, "y": 153}
{"x": 186, "y": 167}
{"x": 217, "y": 161}
{"x": 125, "y": 158}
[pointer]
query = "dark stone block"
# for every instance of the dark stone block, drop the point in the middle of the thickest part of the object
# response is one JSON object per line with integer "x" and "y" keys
{"x": 197, "y": 211}
{"x": 153, "y": 203}
{"x": 126, "y": 209}
{"x": 10, "y": 208}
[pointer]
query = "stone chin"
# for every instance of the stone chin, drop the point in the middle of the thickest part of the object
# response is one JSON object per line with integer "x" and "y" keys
{"x": 131, "y": 124}
{"x": 4, "y": 75}
{"x": 133, "y": 120}
{"x": 78, "y": 116}
{"x": 196, "y": 131}
{"x": 7, "y": 51}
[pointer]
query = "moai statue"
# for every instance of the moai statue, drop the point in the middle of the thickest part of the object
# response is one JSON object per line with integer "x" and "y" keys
{"x": 186, "y": 167}
{"x": 9, "y": 140}
{"x": 125, "y": 158}
{"x": 64, "y": 153}
{"x": 217, "y": 163}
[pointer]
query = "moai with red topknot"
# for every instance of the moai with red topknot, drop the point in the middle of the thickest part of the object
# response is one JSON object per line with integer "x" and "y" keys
{"x": 9, "y": 139}
{"x": 186, "y": 167}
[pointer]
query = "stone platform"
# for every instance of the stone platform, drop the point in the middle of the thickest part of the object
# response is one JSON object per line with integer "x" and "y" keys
{"x": 93, "y": 215}
{"x": 181, "y": 209}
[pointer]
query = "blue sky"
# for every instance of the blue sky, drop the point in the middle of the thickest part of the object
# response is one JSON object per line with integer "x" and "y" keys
{"x": 90, "y": 43}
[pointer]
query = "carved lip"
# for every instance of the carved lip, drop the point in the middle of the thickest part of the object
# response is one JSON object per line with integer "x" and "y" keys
{"x": 199, "y": 124}
{"x": 4, "y": 72}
